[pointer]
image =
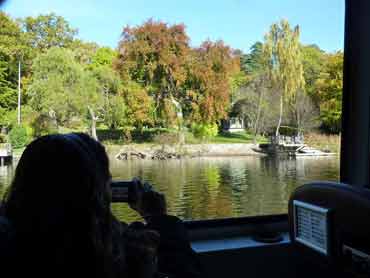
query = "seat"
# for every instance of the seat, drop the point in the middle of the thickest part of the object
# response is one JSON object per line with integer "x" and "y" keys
{"x": 329, "y": 226}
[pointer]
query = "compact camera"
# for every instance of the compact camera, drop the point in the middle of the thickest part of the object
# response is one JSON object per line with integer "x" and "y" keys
{"x": 128, "y": 191}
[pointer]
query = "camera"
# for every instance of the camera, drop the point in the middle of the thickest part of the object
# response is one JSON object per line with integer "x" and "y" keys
{"x": 128, "y": 191}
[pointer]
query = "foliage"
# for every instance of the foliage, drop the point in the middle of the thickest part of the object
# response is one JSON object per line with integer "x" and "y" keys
{"x": 204, "y": 131}
{"x": 283, "y": 56}
{"x": 47, "y": 31}
{"x": 19, "y": 136}
{"x": 208, "y": 84}
{"x": 313, "y": 59}
{"x": 104, "y": 56}
{"x": 157, "y": 79}
{"x": 253, "y": 62}
{"x": 153, "y": 55}
{"x": 329, "y": 86}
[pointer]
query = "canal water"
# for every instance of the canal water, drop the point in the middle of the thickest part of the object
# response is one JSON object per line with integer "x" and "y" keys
{"x": 209, "y": 188}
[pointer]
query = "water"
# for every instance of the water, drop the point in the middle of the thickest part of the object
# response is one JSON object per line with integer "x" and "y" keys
{"x": 209, "y": 188}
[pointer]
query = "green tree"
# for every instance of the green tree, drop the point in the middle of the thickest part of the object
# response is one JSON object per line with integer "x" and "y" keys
{"x": 313, "y": 59}
{"x": 12, "y": 48}
{"x": 47, "y": 31}
{"x": 84, "y": 52}
{"x": 104, "y": 56}
{"x": 283, "y": 54}
{"x": 61, "y": 89}
{"x": 330, "y": 86}
{"x": 253, "y": 62}
{"x": 111, "y": 88}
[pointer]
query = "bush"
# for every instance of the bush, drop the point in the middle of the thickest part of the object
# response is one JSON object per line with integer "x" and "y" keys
{"x": 168, "y": 138}
{"x": 20, "y": 136}
{"x": 204, "y": 131}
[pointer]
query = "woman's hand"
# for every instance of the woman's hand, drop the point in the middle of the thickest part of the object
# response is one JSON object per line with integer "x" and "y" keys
{"x": 148, "y": 202}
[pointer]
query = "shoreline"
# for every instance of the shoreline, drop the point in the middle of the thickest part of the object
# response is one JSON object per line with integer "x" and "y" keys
{"x": 189, "y": 150}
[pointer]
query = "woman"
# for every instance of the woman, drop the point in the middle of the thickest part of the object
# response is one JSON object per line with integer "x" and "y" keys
{"x": 59, "y": 207}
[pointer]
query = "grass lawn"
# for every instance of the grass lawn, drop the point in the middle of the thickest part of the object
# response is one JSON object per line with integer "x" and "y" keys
{"x": 237, "y": 137}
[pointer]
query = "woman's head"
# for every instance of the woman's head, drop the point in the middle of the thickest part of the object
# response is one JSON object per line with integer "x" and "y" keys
{"x": 59, "y": 195}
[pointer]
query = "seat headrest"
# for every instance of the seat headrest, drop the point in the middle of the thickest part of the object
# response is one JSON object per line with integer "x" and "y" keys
{"x": 331, "y": 221}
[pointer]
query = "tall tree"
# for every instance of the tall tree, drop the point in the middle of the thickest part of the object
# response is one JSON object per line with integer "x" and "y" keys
{"x": 210, "y": 71}
{"x": 153, "y": 55}
{"x": 253, "y": 62}
{"x": 61, "y": 89}
{"x": 13, "y": 49}
{"x": 284, "y": 59}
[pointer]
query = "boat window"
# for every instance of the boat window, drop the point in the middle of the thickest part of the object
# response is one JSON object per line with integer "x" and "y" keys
{"x": 225, "y": 106}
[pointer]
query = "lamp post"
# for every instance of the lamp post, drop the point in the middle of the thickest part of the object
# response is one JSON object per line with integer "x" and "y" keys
{"x": 19, "y": 93}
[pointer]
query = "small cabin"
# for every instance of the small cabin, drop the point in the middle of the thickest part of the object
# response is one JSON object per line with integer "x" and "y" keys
{"x": 233, "y": 125}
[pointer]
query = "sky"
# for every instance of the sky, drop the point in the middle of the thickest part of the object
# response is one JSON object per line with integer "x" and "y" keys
{"x": 239, "y": 23}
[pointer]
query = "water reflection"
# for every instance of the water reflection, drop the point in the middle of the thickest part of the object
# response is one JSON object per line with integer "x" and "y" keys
{"x": 204, "y": 188}
{"x": 227, "y": 187}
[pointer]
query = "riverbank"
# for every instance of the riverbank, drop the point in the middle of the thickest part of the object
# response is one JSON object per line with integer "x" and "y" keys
{"x": 187, "y": 150}
{"x": 235, "y": 145}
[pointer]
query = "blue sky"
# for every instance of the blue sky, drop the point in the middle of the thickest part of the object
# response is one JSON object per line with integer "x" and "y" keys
{"x": 238, "y": 22}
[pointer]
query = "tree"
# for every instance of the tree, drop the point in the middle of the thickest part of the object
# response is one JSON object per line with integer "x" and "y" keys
{"x": 283, "y": 54}
{"x": 140, "y": 106}
{"x": 104, "y": 56}
{"x": 62, "y": 90}
{"x": 330, "y": 86}
{"x": 110, "y": 87}
{"x": 313, "y": 59}
{"x": 47, "y": 31}
{"x": 253, "y": 62}
{"x": 13, "y": 50}
{"x": 84, "y": 52}
{"x": 210, "y": 71}
{"x": 153, "y": 55}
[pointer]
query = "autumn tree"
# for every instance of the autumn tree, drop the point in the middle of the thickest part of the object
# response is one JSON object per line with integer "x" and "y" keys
{"x": 153, "y": 55}
{"x": 210, "y": 69}
{"x": 284, "y": 59}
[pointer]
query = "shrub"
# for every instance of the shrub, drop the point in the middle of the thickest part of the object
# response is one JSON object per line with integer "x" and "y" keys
{"x": 168, "y": 138}
{"x": 204, "y": 131}
{"x": 20, "y": 136}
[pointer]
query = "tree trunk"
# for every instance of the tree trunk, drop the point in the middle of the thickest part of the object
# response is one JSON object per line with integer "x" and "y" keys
{"x": 256, "y": 125}
{"x": 280, "y": 117}
{"x": 93, "y": 124}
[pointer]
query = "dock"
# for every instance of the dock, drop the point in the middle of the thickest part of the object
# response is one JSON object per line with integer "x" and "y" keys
{"x": 6, "y": 154}
{"x": 289, "y": 146}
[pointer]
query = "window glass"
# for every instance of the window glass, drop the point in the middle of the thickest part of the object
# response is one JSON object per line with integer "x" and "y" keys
{"x": 225, "y": 106}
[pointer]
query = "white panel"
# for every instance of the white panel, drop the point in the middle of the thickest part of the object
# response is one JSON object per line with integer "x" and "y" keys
{"x": 311, "y": 226}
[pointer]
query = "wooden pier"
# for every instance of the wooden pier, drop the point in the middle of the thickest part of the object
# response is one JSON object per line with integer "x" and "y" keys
{"x": 6, "y": 154}
{"x": 289, "y": 146}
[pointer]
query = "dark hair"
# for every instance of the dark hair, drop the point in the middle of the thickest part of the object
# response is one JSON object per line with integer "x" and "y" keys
{"x": 59, "y": 205}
